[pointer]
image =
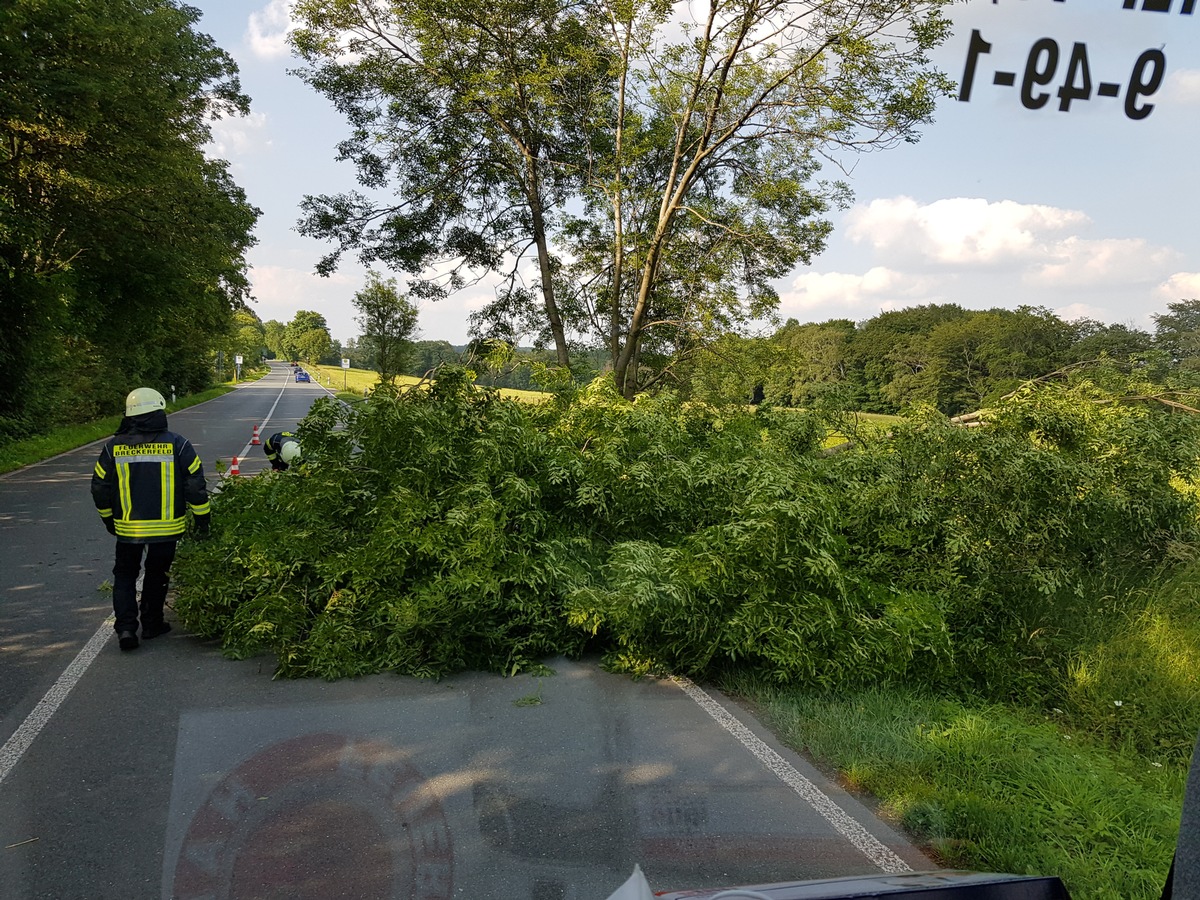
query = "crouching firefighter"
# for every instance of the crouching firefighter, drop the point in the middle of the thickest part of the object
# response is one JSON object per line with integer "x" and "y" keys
{"x": 145, "y": 481}
{"x": 282, "y": 449}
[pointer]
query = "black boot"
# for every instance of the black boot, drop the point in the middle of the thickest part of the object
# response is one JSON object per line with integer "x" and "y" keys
{"x": 154, "y": 590}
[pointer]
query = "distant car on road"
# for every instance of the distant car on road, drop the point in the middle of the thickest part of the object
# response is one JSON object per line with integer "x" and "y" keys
{"x": 301, "y": 375}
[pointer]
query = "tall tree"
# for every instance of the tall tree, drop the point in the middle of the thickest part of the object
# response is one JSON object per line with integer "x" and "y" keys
{"x": 723, "y": 133}
{"x": 273, "y": 336}
{"x": 1178, "y": 332}
{"x": 245, "y": 337}
{"x": 693, "y": 160}
{"x": 428, "y": 355}
{"x": 890, "y": 350}
{"x": 388, "y": 320}
{"x": 470, "y": 112}
{"x": 1092, "y": 339}
{"x": 811, "y": 358}
{"x": 307, "y": 336}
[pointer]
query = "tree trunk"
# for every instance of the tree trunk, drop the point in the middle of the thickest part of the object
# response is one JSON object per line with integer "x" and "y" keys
{"x": 627, "y": 361}
{"x": 543, "y": 252}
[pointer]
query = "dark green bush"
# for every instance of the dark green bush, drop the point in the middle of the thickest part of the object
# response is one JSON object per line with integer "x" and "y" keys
{"x": 437, "y": 530}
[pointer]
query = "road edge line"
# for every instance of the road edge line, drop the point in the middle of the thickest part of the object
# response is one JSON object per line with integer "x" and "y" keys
{"x": 845, "y": 824}
{"x": 14, "y": 748}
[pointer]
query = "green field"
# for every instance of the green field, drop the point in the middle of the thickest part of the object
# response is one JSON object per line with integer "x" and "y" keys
{"x": 358, "y": 380}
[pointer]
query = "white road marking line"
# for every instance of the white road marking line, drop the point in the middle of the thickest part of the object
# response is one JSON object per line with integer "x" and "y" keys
{"x": 843, "y": 822}
{"x": 263, "y": 425}
{"x": 15, "y": 747}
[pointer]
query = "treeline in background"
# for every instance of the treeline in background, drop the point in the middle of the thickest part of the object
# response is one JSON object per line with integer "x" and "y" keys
{"x": 953, "y": 359}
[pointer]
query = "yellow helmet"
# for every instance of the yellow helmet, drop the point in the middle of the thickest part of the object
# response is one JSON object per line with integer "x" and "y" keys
{"x": 290, "y": 452}
{"x": 143, "y": 400}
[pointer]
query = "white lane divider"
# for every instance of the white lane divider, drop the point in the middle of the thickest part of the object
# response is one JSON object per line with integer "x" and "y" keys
{"x": 15, "y": 747}
{"x": 845, "y": 824}
{"x": 263, "y": 425}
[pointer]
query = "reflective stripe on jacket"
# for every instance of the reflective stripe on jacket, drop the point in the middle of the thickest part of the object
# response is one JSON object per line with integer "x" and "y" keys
{"x": 146, "y": 482}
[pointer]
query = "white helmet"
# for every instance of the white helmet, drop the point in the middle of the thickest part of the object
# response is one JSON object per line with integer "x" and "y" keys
{"x": 290, "y": 452}
{"x": 143, "y": 400}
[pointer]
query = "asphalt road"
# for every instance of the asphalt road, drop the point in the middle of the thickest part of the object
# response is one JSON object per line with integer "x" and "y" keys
{"x": 172, "y": 772}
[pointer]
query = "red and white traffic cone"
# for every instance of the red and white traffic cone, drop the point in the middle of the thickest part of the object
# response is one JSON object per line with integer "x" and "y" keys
{"x": 255, "y": 439}
{"x": 233, "y": 469}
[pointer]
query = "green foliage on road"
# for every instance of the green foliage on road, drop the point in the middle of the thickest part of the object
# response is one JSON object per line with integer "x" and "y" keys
{"x": 412, "y": 540}
{"x": 434, "y": 530}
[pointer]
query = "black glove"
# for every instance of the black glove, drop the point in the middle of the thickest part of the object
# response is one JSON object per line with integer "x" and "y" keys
{"x": 202, "y": 523}
{"x": 110, "y": 524}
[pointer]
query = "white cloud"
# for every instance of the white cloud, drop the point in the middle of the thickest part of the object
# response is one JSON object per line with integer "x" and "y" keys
{"x": 476, "y": 302}
{"x": 982, "y": 254}
{"x": 1073, "y": 311}
{"x": 235, "y": 136}
{"x": 1180, "y": 286}
{"x": 280, "y": 291}
{"x": 1183, "y": 86}
{"x": 844, "y": 295}
{"x": 447, "y": 320}
{"x": 1080, "y": 263}
{"x": 959, "y": 232}
{"x": 267, "y": 30}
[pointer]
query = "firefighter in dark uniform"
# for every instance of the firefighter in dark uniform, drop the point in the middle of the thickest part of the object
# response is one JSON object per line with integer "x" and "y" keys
{"x": 146, "y": 480}
{"x": 282, "y": 448}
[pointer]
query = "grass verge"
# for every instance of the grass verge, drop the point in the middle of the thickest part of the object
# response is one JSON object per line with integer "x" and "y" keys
{"x": 25, "y": 452}
{"x": 1090, "y": 793}
{"x": 985, "y": 787}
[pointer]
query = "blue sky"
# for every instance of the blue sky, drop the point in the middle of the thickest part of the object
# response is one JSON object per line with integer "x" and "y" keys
{"x": 1087, "y": 212}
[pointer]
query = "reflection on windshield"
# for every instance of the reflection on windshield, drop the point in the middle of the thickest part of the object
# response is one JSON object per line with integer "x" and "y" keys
{"x": 463, "y": 793}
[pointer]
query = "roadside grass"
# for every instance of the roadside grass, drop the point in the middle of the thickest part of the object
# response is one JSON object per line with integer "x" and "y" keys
{"x": 18, "y": 454}
{"x": 1135, "y": 683}
{"x": 991, "y": 788}
{"x": 1090, "y": 792}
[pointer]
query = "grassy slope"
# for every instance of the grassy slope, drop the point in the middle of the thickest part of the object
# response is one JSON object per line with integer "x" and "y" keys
{"x": 1091, "y": 793}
